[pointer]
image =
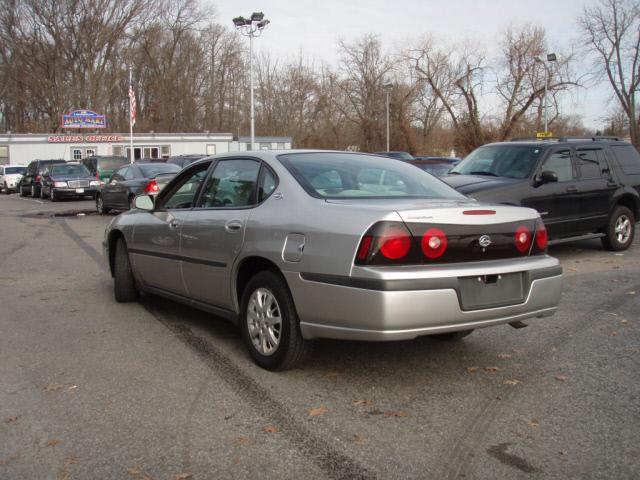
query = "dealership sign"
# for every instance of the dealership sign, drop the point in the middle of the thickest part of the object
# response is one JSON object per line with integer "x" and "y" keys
{"x": 84, "y": 138}
{"x": 83, "y": 119}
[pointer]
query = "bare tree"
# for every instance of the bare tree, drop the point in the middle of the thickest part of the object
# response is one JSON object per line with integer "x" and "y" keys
{"x": 611, "y": 31}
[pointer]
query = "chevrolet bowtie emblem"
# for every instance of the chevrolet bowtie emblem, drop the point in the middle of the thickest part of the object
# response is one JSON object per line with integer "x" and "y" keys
{"x": 484, "y": 241}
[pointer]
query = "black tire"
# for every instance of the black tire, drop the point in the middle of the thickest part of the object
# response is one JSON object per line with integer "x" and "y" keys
{"x": 52, "y": 196}
{"x": 452, "y": 336}
{"x": 6, "y": 189}
{"x": 33, "y": 191}
{"x": 291, "y": 348}
{"x": 100, "y": 205}
{"x": 620, "y": 230}
{"x": 124, "y": 285}
{"x": 42, "y": 195}
{"x": 22, "y": 192}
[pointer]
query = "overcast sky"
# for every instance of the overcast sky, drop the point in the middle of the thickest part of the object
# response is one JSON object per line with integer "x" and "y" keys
{"x": 314, "y": 28}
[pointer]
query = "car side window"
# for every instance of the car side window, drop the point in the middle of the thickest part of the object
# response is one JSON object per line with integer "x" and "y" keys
{"x": 268, "y": 184}
{"x": 184, "y": 193}
{"x": 560, "y": 163}
{"x": 119, "y": 175}
{"x": 232, "y": 184}
{"x": 589, "y": 163}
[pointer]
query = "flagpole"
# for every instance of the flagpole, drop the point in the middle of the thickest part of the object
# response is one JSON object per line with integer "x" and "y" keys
{"x": 130, "y": 118}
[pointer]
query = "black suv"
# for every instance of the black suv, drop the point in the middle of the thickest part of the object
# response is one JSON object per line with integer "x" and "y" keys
{"x": 31, "y": 183}
{"x": 583, "y": 188}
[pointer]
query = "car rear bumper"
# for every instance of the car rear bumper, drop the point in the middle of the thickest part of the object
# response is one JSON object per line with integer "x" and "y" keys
{"x": 405, "y": 308}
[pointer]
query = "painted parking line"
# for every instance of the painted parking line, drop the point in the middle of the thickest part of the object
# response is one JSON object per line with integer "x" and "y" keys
{"x": 30, "y": 200}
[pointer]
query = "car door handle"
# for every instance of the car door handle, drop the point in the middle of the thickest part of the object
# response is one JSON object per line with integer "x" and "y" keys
{"x": 233, "y": 226}
{"x": 173, "y": 224}
{"x": 612, "y": 184}
{"x": 572, "y": 189}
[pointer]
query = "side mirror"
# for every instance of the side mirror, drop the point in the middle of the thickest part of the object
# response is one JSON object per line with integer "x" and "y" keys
{"x": 547, "y": 176}
{"x": 143, "y": 202}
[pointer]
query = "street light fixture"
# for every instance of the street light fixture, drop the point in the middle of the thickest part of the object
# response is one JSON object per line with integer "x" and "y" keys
{"x": 251, "y": 27}
{"x": 387, "y": 89}
{"x": 551, "y": 57}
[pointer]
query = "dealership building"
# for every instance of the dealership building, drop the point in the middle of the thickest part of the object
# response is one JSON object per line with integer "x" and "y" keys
{"x": 20, "y": 149}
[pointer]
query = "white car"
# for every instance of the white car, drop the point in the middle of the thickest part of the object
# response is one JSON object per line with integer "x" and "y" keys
{"x": 10, "y": 176}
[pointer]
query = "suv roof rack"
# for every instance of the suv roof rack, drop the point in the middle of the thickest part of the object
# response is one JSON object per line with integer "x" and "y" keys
{"x": 599, "y": 138}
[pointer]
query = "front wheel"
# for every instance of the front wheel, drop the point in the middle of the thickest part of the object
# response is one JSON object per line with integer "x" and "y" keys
{"x": 124, "y": 285}
{"x": 100, "y": 205}
{"x": 620, "y": 230}
{"x": 270, "y": 324}
{"x": 23, "y": 193}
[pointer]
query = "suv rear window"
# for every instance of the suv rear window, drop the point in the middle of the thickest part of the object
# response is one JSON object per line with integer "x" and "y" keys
{"x": 111, "y": 163}
{"x": 628, "y": 158}
{"x": 13, "y": 170}
{"x": 511, "y": 161}
{"x": 352, "y": 175}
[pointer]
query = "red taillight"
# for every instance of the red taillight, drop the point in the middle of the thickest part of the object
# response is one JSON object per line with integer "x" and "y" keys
{"x": 542, "y": 238}
{"x": 395, "y": 243}
{"x": 152, "y": 187}
{"x": 363, "y": 251}
{"x": 523, "y": 239}
{"x": 434, "y": 243}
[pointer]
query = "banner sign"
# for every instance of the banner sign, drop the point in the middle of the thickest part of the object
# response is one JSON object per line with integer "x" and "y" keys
{"x": 84, "y": 138}
{"x": 83, "y": 119}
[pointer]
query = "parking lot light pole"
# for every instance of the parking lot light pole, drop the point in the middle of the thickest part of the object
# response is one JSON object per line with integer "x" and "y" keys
{"x": 551, "y": 57}
{"x": 387, "y": 88}
{"x": 251, "y": 27}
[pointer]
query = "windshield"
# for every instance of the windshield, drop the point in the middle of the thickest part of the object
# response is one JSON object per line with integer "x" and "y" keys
{"x": 511, "y": 161}
{"x": 13, "y": 170}
{"x": 150, "y": 170}
{"x": 70, "y": 170}
{"x": 350, "y": 175}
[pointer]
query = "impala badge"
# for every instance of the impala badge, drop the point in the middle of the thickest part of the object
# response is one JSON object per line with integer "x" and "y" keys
{"x": 484, "y": 241}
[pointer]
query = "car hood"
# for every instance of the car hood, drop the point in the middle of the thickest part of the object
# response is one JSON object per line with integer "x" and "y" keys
{"x": 13, "y": 176}
{"x": 475, "y": 183}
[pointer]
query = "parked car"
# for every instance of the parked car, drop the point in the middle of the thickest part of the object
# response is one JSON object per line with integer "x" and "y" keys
{"x": 68, "y": 180}
{"x": 31, "y": 182}
{"x": 437, "y": 166}
{"x": 103, "y": 167}
{"x": 131, "y": 180}
{"x": 583, "y": 188}
{"x": 406, "y": 156}
{"x": 10, "y": 176}
{"x": 184, "y": 160}
{"x": 313, "y": 244}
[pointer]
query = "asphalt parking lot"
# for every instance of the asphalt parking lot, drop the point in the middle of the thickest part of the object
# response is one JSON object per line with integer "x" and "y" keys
{"x": 94, "y": 389}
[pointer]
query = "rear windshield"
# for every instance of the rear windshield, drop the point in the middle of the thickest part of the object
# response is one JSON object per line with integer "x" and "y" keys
{"x": 13, "y": 170}
{"x": 71, "y": 170}
{"x": 111, "y": 163}
{"x": 150, "y": 170}
{"x": 511, "y": 161}
{"x": 352, "y": 175}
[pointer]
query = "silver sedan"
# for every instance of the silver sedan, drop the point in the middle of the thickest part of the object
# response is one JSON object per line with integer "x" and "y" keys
{"x": 298, "y": 245}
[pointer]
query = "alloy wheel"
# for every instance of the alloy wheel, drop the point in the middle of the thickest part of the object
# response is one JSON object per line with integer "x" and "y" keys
{"x": 264, "y": 321}
{"x": 622, "y": 229}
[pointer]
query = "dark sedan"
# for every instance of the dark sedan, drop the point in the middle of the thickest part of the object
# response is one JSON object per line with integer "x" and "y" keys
{"x": 406, "y": 156}
{"x": 131, "y": 180}
{"x": 68, "y": 180}
{"x": 184, "y": 160}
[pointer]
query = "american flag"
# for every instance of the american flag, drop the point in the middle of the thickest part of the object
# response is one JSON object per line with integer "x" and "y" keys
{"x": 132, "y": 105}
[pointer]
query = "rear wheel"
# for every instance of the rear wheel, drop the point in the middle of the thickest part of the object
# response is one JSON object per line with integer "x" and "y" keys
{"x": 124, "y": 285}
{"x": 620, "y": 230}
{"x": 453, "y": 335}
{"x": 270, "y": 324}
{"x": 23, "y": 193}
